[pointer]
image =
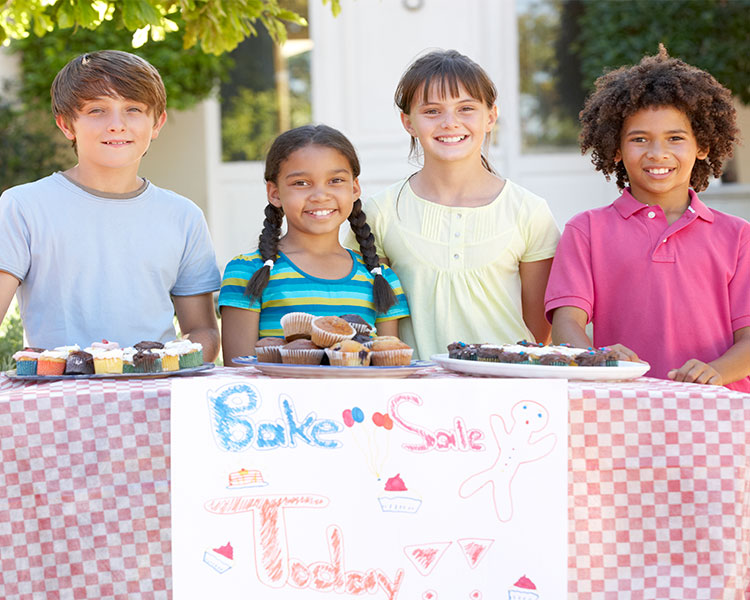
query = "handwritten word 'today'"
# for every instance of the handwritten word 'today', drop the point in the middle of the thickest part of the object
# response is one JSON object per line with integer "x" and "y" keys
{"x": 277, "y": 569}
{"x": 235, "y": 430}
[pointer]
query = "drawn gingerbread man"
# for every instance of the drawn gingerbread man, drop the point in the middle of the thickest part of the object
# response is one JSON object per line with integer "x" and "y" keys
{"x": 515, "y": 447}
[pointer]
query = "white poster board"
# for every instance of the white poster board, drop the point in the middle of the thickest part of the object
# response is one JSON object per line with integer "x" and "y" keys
{"x": 440, "y": 489}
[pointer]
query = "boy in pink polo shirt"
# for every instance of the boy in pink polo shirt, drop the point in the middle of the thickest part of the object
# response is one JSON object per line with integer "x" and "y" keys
{"x": 662, "y": 277}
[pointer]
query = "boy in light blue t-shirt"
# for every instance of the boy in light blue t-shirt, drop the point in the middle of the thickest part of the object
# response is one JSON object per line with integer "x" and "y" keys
{"x": 97, "y": 251}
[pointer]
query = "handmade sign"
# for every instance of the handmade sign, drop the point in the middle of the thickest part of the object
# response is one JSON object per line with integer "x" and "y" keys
{"x": 390, "y": 489}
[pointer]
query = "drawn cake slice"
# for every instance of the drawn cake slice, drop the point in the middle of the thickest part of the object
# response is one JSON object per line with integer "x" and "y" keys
{"x": 246, "y": 478}
{"x": 220, "y": 559}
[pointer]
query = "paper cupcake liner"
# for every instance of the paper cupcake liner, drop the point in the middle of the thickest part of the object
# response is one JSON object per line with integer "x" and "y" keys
{"x": 348, "y": 359}
{"x": 391, "y": 358}
{"x": 296, "y": 325}
{"x": 128, "y": 367}
{"x": 149, "y": 367}
{"x": 321, "y": 337}
{"x": 191, "y": 359}
{"x": 170, "y": 362}
{"x": 301, "y": 357}
{"x": 26, "y": 367}
{"x": 268, "y": 354}
{"x": 103, "y": 366}
{"x": 50, "y": 367}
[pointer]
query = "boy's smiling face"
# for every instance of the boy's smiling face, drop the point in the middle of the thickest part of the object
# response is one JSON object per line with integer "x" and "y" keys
{"x": 658, "y": 150}
{"x": 112, "y": 133}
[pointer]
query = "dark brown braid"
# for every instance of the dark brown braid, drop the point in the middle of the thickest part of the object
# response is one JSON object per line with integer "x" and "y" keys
{"x": 382, "y": 293}
{"x": 268, "y": 246}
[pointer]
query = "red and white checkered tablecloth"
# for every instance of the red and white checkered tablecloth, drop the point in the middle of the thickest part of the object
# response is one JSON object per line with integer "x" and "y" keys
{"x": 659, "y": 481}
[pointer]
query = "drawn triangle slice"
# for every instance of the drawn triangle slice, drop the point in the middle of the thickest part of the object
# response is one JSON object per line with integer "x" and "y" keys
{"x": 425, "y": 556}
{"x": 474, "y": 549}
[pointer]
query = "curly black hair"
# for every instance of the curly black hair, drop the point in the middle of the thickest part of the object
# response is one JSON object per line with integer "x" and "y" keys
{"x": 659, "y": 81}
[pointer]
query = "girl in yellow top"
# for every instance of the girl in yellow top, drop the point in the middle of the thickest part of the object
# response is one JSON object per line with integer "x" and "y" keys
{"x": 473, "y": 250}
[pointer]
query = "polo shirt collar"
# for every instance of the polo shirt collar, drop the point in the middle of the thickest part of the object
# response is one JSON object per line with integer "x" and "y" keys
{"x": 627, "y": 205}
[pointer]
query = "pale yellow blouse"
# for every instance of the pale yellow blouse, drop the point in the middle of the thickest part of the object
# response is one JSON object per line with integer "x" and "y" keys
{"x": 459, "y": 266}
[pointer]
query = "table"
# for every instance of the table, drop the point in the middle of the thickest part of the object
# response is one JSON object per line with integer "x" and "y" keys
{"x": 659, "y": 489}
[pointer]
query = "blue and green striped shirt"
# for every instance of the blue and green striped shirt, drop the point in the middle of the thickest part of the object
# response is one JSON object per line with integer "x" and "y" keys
{"x": 292, "y": 290}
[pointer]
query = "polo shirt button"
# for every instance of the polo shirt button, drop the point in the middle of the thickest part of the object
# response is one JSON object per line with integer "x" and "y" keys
{"x": 458, "y": 234}
{"x": 651, "y": 214}
{"x": 459, "y": 215}
{"x": 456, "y": 256}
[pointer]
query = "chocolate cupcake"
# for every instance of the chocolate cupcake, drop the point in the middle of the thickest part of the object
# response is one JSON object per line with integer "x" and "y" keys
{"x": 79, "y": 363}
{"x": 146, "y": 361}
{"x": 148, "y": 345}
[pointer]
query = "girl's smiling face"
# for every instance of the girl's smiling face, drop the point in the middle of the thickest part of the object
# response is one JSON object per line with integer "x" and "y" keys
{"x": 658, "y": 150}
{"x": 449, "y": 127}
{"x": 316, "y": 189}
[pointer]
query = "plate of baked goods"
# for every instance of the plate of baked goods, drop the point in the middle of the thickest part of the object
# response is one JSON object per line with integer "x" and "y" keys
{"x": 179, "y": 373}
{"x": 107, "y": 360}
{"x": 300, "y": 371}
{"x": 528, "y": 360}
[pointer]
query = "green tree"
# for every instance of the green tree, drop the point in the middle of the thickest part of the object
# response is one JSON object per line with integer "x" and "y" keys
{"x": 219, "y": 25}
{"x": 713, "y": 35}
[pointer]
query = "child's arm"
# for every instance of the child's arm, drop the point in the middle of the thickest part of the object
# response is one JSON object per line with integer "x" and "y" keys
{"x": 534, "y": 276}
{"x": 197, "y": 320}
{"x": 389, "y": 327}
{"x": 569, "y": 327}
{"x": 8, "y": 287}
{"x": 239, "y": 332}
{"x": 731, "y": 366}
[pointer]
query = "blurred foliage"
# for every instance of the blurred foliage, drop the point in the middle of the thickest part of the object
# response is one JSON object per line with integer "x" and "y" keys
{"x": 713, "y": 35}
{"x": 30, "y": 146}
{"x": 11, "y": 337}
{"x": 189, "y": 75}
{"x": 219, "y": 25}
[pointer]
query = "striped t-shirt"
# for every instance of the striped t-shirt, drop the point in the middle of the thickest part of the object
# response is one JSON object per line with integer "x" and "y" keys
{"x": 290, "y": 289}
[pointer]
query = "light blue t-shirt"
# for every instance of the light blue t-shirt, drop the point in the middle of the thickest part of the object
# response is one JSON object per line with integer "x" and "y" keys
{"x": 94, "y": 268}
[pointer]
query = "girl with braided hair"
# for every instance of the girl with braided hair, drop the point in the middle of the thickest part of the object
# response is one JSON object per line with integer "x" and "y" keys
{"x": 473, "y": 249}
{"x": 312, "y": 183}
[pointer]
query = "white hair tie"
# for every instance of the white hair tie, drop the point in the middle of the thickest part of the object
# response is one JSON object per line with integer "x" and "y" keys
{"x": 376, "y": 271}
{"x": 269, "y": 263}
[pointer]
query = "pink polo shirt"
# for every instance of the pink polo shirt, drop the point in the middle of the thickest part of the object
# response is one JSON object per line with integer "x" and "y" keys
{"x": 668, "y": 292}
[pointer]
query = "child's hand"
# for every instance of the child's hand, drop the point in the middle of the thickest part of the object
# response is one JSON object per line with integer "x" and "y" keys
{"x": 695, "y": 371}
{"x": 624, "y": 353}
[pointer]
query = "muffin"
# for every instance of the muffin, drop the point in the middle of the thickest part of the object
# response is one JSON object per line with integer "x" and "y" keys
{"x": 359, "y": 324}
{"x": 301, "y": 352}
{"x": 51, "y": 362}
{"x": 297, "y": 325}
{"x": 326, "y": 331}
{"x": 267, "y": 349}
{"x": 389, "y": 351}
{"x": 79, "y": 363}
{"x": 147, "y": 361}
{"x": 348, "y": 354}
{"x": 26, "y": 360}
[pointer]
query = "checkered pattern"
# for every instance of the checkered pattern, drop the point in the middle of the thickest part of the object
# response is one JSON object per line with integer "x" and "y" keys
{"x": 659, "y": 490}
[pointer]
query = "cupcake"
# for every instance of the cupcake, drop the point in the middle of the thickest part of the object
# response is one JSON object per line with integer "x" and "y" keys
{"x": 51, "y": 362}
{"x": 297, "y": 325}
{"x": 170, "y": 358}
{"x": 326, "y": 331}
{"x": 189, "y": 354}
{"x": 348, "y": 354}
{"x": 26, "y": 360}
{"x": 107, "y": 362}
{"x": 359, "y": 324}
{"x": 267, "y": 349}
{"x": 79, "y": 362}
{"x": 127, "y": 360}
{"x": 389, "y": 351}
{"x": 147, "y": 361}
{"x": 523, "y": 589}
{"x": 301, "y": 352}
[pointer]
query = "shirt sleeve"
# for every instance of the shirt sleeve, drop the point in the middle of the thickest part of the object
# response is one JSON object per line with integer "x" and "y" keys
{"x": 739, "y": 299}
{"x": 541, "y": 232}
{"x": 15, "y": 240}
{"x": 198, "y": 272}
{"x": 571, "y": 281}
{"x": 237, "y": 273}
{"x": 401, "y": 308}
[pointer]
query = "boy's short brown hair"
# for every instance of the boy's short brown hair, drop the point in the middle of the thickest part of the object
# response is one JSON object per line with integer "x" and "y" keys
{"x": 107, "y": 73}
{"x": 657, "y": 82}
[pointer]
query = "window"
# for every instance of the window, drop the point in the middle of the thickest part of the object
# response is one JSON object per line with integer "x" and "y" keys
{"x": 268, "y": 91}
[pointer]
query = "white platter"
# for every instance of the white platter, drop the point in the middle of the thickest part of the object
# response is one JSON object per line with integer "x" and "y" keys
{"x": 329, "y": 372}
{"x": 624, "y": 370}
{"x": 181, "y": 373}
